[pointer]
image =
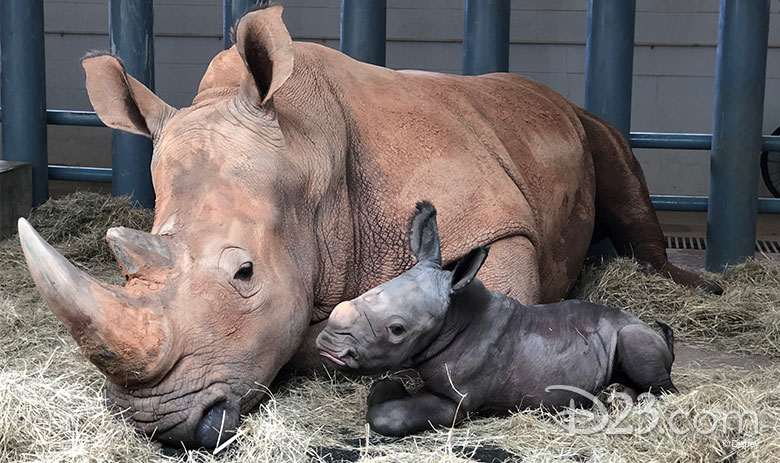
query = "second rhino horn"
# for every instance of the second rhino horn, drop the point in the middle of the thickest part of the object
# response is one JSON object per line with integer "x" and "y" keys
{"x": 136, "y": 250}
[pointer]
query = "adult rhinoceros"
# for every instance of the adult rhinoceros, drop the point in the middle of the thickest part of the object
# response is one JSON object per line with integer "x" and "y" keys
{"x": 287, "y": 186}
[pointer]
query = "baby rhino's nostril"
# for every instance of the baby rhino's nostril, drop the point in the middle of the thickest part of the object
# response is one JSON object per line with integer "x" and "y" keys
{"x": 218, "y": 424}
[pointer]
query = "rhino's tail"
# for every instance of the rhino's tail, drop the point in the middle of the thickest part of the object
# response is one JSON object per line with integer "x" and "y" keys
{"x": 668, "y": 336}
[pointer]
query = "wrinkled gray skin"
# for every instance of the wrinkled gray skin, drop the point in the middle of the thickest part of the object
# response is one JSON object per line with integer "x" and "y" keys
{"x": 499, "y": 353}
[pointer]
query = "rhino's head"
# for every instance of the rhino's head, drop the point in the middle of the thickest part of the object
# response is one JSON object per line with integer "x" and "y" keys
{"x": 387, "y": 326}
{"x": 218, "y": 296}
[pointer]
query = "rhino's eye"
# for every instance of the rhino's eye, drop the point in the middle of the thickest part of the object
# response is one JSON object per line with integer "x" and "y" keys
{"x": 396, "y": 329}
{"x": 244, "y": 272}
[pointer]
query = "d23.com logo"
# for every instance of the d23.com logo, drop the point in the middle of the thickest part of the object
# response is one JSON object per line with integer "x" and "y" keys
{"x": 580, "y": 421}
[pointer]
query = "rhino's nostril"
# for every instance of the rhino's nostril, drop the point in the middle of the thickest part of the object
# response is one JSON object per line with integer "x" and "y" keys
{"x": 218, "y": 424}
{"x": 351, "y": 352}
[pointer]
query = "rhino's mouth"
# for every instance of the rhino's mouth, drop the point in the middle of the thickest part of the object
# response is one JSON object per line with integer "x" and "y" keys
{"x": 342, "y": 358}
{"x": 333, "y": 358}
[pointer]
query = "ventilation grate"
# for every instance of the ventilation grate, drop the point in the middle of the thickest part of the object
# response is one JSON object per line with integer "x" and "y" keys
{"x": 695, "y": 242}
{"x": 685, "y": 242}
{"x": 767, "y": 246}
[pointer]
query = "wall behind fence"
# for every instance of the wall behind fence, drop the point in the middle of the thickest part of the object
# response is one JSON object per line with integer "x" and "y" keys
{"x": 674, "y": 63}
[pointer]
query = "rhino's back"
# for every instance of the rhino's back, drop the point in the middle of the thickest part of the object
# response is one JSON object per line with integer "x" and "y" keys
{"x": 499, "y": 155}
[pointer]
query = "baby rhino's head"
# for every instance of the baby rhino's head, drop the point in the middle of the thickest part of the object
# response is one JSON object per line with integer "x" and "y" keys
{"x": 386, "y": 326}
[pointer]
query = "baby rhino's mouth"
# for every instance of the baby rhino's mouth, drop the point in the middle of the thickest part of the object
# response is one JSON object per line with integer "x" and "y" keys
{"x": 333, "y": 358}
{"x": 344, "y": 358}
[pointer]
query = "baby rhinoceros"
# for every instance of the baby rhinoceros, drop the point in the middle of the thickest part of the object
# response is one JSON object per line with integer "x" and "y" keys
{"x": 464, "y": 339}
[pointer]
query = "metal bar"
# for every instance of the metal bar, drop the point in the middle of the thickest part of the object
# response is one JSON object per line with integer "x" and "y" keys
{"x": 66, "y": 117}
{"x": 770, "y": 143}
{"x": 132, "y": 39}
{"x": 79, "y": 118}
{"x": 80, "y": 174}
{"x": 740, "y": 74}
{"x": 689, "y": 141}
{"x": 609, "y": 61}
{"x": 232, "y": 11}
{"x": 23, "y": 89}
{"x": 699, "y": 204}
{"x": 485, "y": 36}
{"x": 364, "y": 29}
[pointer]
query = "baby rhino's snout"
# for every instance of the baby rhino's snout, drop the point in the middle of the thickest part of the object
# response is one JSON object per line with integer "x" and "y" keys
{"x": 342, "y": 317}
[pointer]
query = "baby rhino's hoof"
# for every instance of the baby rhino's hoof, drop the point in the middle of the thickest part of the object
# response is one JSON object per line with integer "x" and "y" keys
{"x": 385, "y": 390}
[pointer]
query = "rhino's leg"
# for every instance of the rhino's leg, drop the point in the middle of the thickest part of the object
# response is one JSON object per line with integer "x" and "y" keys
{"x": 643, "y": 360}
{"x": 408, "y": 415}
{"x": 386, "y": 390}
{"x": 623, "y": 204}
{"x": 513, "y": 269}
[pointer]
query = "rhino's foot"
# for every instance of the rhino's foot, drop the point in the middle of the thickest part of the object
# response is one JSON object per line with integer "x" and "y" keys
{"x": 386, "y": 390}
{"x": 683, "y": 277}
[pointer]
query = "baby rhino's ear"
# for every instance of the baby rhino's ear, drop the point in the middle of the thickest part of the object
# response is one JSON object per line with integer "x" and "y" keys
{"x": 424, "y": 234}
{"x": 467, "y": 267}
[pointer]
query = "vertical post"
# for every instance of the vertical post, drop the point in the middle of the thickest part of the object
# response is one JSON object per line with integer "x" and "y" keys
{"x": 232, "y": 11}
{"x": 609, "y": 61}
{"x": 364, "y": 29}
{"x": 485, "y": 36}
{"x": 24, "y": 90}
{"x": 132, "y": 39}
{"x": 736, "y": 134}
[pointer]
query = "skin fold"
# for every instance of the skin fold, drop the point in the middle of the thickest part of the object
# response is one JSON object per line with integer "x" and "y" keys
{"x": 479, "y": 350}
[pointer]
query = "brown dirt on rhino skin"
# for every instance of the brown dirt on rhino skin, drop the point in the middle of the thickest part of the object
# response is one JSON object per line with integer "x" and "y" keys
{"x": 51, "y": 405}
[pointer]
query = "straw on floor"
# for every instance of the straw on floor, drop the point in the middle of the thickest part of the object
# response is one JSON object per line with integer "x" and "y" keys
{"x": 51, "y": 405}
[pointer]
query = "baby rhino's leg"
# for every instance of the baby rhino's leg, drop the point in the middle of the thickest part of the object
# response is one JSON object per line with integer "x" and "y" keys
{"x": 644, "y": 359}
{"x": 386, "y": 390}
{"x": 408, "y": 415}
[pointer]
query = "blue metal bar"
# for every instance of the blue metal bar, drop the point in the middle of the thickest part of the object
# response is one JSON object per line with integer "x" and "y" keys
{"x": 132, "y": 39}
{"x": 485, "y": 36}
{"x": 740, "y": 73}
{"x": 609, "y": 61}
{"x": 80, "y": 118}
{"x": 232, "y": 11}
{"x": 80, "y": 174}
{"x": 65, "y": 117}
{"x": 699, "y": 204}
{"x": 23, "y": 89}
{"x": 689, "y": 141}
{"x": 363, "y": 30}
{"x": 770, "y": 143}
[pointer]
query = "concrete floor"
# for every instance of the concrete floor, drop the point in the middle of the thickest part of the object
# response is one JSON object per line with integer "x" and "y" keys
{"x": 695, "y": 224}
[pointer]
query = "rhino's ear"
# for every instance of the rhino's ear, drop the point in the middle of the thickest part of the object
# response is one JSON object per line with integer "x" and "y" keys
{"x": 265, "y": 45}
{"x": 122, "y": 102}
{"x": 467, "y": 267}
{"x": 424, "y": 234}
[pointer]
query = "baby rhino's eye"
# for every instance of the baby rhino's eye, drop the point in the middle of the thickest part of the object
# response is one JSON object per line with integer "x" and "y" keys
{"x": 396, "y": 329}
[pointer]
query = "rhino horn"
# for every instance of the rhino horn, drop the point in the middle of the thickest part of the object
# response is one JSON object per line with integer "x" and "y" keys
{"x": 136, "y": 250}
{"x": 126, "y": 337}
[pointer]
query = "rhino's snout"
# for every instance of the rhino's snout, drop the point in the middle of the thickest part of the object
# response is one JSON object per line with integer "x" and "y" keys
{"x": 337, "y": 348}
{"x": 219, "y": 423}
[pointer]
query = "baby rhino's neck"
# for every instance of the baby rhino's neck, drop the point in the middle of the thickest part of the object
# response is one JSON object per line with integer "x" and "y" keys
{"x": 476, "y": 317}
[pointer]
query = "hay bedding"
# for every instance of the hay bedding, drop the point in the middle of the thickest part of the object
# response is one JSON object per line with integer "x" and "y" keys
{"x": 51, "y": 406}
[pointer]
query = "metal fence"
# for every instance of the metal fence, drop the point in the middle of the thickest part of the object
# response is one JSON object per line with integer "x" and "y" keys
{"x": 736, "y": 141}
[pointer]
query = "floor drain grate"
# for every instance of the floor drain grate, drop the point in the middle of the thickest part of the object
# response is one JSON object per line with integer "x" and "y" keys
{"x": 767, "y": 246}
{"x": 696, "y": 242}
